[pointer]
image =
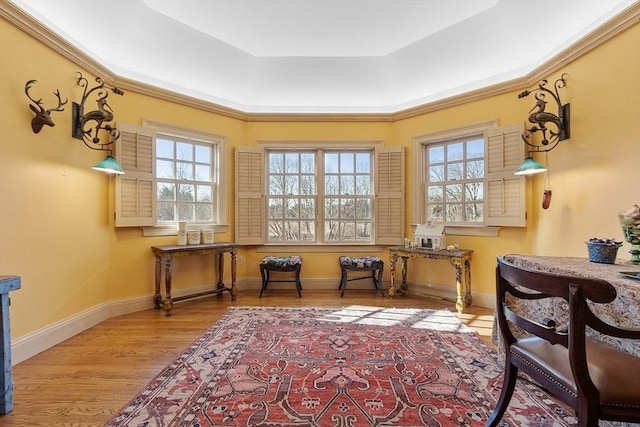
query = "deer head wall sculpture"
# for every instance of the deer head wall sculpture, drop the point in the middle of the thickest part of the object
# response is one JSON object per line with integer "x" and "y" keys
{"x": 42, "y": 117}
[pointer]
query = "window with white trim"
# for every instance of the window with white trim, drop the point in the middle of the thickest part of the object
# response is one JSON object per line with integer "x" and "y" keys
{"x": 184, "y": 179}
{"x": 466, "y": 176}
{"x": 171, "y": 174}
{"x": 345, "y": 196}
{"x": 455, "y": 175}
{"x": 320, "y": 195}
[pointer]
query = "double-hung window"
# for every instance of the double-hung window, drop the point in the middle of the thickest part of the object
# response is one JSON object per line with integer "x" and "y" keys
{"x": 320, "y": 195}
{"x": 171, "y": 174}
{"x": 184, "y": 180}
{"x": 466, "y": 177}
{"x": 455, "y": 184}
{"x": 292, "y": 196}
{"x": 348, "y": 196}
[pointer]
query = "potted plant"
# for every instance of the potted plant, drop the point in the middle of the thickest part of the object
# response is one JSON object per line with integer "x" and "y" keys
{"x": 603, "y": 251}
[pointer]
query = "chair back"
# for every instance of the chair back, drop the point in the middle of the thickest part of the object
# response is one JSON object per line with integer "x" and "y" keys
{"x": 569, "y": 291}
{"x": 556, "y": 352}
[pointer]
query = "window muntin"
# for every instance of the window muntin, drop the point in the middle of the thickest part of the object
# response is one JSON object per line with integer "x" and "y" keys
{"x": 348, "y": 199}
{"x": 292, "y": 196}
{"x": 454, "y": 180}
{"x": 185, "y": 185}
{"x": 337, "y": 211}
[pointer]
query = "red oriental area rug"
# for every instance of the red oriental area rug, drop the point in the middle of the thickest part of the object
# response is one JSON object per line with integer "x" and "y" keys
{"x": 350, "y": 367}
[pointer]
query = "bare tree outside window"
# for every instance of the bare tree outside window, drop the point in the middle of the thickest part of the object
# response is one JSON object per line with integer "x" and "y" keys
{"x": 292, "y": 197}
{"x": 184, "y": 173}
{"x": 346, "y": 193}
{"x": 455, "y": 173}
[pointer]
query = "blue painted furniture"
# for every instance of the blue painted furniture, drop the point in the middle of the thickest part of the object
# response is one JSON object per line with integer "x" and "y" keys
{"x": 7, "y": 284}
{"x": 269, "y": 264}
{"x": 371, "y": 263}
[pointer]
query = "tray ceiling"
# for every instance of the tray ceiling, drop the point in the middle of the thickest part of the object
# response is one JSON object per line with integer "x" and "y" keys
{"x": 319, "y": 56}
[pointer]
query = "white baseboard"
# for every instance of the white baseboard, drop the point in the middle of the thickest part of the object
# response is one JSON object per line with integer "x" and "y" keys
{"x": 36, "y": 342}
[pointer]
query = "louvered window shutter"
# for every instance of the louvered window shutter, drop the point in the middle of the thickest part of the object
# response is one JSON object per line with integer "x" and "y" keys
{"x": 504, "y": 192}
{"x": 389, "y": 212}
{"x": 135, "y": 190}
{"x": 249, "y": 196}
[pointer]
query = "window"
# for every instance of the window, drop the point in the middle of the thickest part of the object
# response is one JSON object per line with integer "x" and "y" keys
{"x": 346, "y": 195}
{"x": 466, "y": 176}
{"x": 292, "y": 197}
{"x": 171, "y": 174}
{"x": 348, "y": 203}
{"x": 455, "y": 175}
{"x": 320, "y": 195}
{"x": 184, "y": 184}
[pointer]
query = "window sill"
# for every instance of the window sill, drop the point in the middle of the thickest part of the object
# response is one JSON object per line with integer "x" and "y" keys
{"x": 469, "y": 230}
{"x": 319, "y": 248}
{"x": 170, "y": 230}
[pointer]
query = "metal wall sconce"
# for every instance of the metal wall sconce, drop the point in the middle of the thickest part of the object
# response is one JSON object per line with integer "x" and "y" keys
{"x": 553, "y": 127}
{"x": 558, "y": 130}
{"x": 90, "y": 127}
{"x": 42, "y": 117}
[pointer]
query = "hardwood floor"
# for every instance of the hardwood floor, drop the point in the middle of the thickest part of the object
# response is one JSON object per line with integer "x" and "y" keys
{"x": 86, "y": 379}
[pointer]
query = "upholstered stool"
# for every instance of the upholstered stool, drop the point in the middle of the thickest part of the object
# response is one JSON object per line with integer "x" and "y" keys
{"x": 274, "y": 263}
{"x": 371, "y": 263}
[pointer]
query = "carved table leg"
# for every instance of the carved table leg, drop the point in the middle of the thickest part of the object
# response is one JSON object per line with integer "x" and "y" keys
{"x": 157, "y": 298}
{"x": 234, "y": 290}
{"x": 467, "y": 279}
{"x": 392, "y": 269}
{"x": 463, "y": 283}
{"x": 168, "y": 302}
{"x": 220, "y": 284}
{"x": 403, "y": 285}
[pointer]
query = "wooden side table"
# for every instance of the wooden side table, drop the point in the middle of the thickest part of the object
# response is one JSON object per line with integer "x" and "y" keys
{"x": 7, "y": 284}
{"x": 459, "y": 259}
{"x": 166, "y": 254}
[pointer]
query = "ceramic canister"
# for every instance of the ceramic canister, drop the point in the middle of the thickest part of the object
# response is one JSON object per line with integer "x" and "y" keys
{"x": 207, "y": 236}
{"x": 182, "y": 233}
{"x": 193, "y": 237}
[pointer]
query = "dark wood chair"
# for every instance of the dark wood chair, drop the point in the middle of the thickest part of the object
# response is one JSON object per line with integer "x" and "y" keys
{"x": 597, "y": 380}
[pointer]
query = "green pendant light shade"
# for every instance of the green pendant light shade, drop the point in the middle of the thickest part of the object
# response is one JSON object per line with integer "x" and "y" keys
{"x": 109, "y": 165}
{"x": 530, "y": 167}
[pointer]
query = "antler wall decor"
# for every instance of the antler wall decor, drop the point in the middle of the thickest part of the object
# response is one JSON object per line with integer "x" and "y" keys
{"x": 42, "y": 117}
{"x": 540, "y": 118}
{"x": 88, "y": 126}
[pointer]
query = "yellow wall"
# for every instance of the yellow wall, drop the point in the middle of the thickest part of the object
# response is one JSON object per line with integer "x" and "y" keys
{"x": 57, "y": 234}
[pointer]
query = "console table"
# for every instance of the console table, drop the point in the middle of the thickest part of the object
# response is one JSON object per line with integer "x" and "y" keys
{"x": 166, "y": 254}
{"x": 459, "y": 259}
{"x": 7, "y": 284}
{"x": 623, "y": 311}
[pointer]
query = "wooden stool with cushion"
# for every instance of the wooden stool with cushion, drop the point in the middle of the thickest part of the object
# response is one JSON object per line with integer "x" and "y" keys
{"x": 371, "y": 263}
{"x": 273, "y": 263}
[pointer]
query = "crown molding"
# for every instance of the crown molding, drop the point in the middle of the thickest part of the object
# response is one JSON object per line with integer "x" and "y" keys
{"x": 616, "y": 25}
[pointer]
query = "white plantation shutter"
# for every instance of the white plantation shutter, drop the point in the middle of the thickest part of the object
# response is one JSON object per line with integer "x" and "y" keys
{"x": 504, "y": 192}
{"x": 250, "y": 216}
{"x": 135, "y": 190}
{"x": 389, "y": 210}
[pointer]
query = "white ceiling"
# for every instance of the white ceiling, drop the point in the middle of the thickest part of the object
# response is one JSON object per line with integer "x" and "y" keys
{"x": 316, "y": 56}
{"x": 320, "y": 27}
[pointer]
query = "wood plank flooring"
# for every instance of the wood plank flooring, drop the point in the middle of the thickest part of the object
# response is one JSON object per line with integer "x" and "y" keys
{"x": 86, "y": 379}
